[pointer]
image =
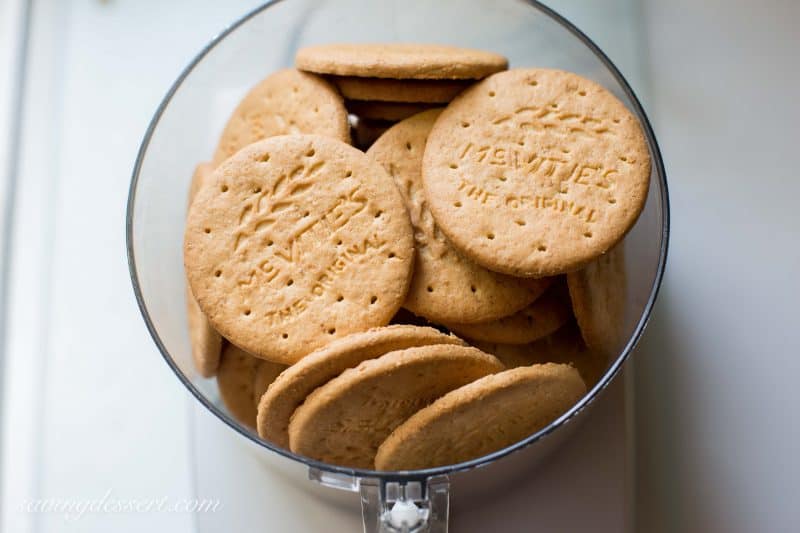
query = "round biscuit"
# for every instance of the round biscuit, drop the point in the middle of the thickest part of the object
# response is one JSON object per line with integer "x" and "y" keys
{"x": 535, "y": 172}
{"x": 301, "y": 239}
{"x": 481, "y": 417}
{"x": 203, "y": 174}
{"x": 205, "y": 342}
{"x": 344, "y": 421}
{"x": 598, "y": 293}
{"x": 399, "y": 60}
{"x": 266, "y": 374}
{"x": 235, "y": 379}
{"x": 289, "y": 390}
{"x": 286, "y": 102}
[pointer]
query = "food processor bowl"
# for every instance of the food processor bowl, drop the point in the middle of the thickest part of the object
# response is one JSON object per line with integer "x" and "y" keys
{"x": 185, "y": 129}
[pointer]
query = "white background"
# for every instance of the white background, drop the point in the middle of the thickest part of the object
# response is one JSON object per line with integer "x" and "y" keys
{"x": 88, "y": 404}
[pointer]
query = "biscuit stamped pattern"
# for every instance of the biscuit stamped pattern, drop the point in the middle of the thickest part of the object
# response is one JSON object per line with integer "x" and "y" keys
{"x": 553, "y": 169}
{"x": 279, "y": 254}
{"x": 288, "y": 233}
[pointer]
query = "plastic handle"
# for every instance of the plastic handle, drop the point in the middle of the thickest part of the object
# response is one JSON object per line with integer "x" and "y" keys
{"x": 405, "y": 507}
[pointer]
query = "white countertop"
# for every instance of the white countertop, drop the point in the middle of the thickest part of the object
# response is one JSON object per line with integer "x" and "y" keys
{"x": 88, "y": 404}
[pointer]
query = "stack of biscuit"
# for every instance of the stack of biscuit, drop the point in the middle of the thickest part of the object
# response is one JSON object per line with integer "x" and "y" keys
{"x": 447, "y": 284}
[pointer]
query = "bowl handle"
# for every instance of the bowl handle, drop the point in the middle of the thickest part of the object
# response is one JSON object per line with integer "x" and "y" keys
{"x": 413, "y": 506}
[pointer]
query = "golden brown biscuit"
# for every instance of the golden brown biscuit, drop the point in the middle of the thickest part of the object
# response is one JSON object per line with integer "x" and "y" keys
{"x": 203, "y": 173}
{"x": 205, "y": 342}
{"x": 399, "y": 60}
{"x": 481, "y": 417}
{"x": 535, "y": 172}
{"x": 288, "y": 101}
{"x": 266, "y": 374}
{"x": 301, "y": 239}
{"x": 344, "y": 421}
{"x": 293, "y": 386}
{"x": 540, "y": 319}
{"x": 446, "y": 286}
{"x": 598, "y": 294}
{"x": 391, "y": 90}
{"x": 235, "y": 379}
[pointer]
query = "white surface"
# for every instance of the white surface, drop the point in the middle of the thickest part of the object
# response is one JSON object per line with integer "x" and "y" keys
{"x": 718, "y": 425}
{"x": 11, "y": 46}
{"x": 91, "y": 406}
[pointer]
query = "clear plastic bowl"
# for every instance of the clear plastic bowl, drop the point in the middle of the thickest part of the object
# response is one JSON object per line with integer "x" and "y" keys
{"x": 186, "y": 125}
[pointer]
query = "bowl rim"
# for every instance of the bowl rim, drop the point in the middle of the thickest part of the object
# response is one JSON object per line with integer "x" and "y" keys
{"x": 421, "y": 474}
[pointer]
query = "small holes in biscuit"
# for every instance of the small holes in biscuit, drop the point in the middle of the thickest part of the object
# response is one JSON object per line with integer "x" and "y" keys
{"x": 612, "y": 200}
{"x": 285, "y": 336}
{"x": 453, "y": 166}
{"x": 542, "y": 248}
{"x": 457, "y": 204}
{"x": 224, "y": 188}
{"x": 270, "y": 242}
{"x": 264, "y": 158}
{"x": 554, "y": 105}
{"x": 331, "y": 331}
{"x": 490, "y": 236}
{"x": 217, "y": 273}
{"x": 616, "y": 121}
{"x": 533, "y": 83}
{"x": 257, "y": 190}
{"x": 391, "y": 255}
{"x": 348, "y": 174}
{"x": 339, "y": 298}
{"x": 465, "y": 124}
{"x": 520, "y": 222}
{"x": 430, "y": 289}
{"x": 408, "y": 146}
{"x": 306, "y": 214}
{"x": 339, "y": 242}
{"x": 588, "y": 234}
{"x": 373, "y": 299}
{"x": 247, "y": 312}
{"x": 290, "y": 283}
{"x": 207, "y": 230}
{"x": 473, "y": 288}
{"x": 378, "y": 214}
{"x": 582, "y": 93}
{"x": 491, "y": 94}
{"x": 310, "y": 153}
{"x": 502, "y": 178}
